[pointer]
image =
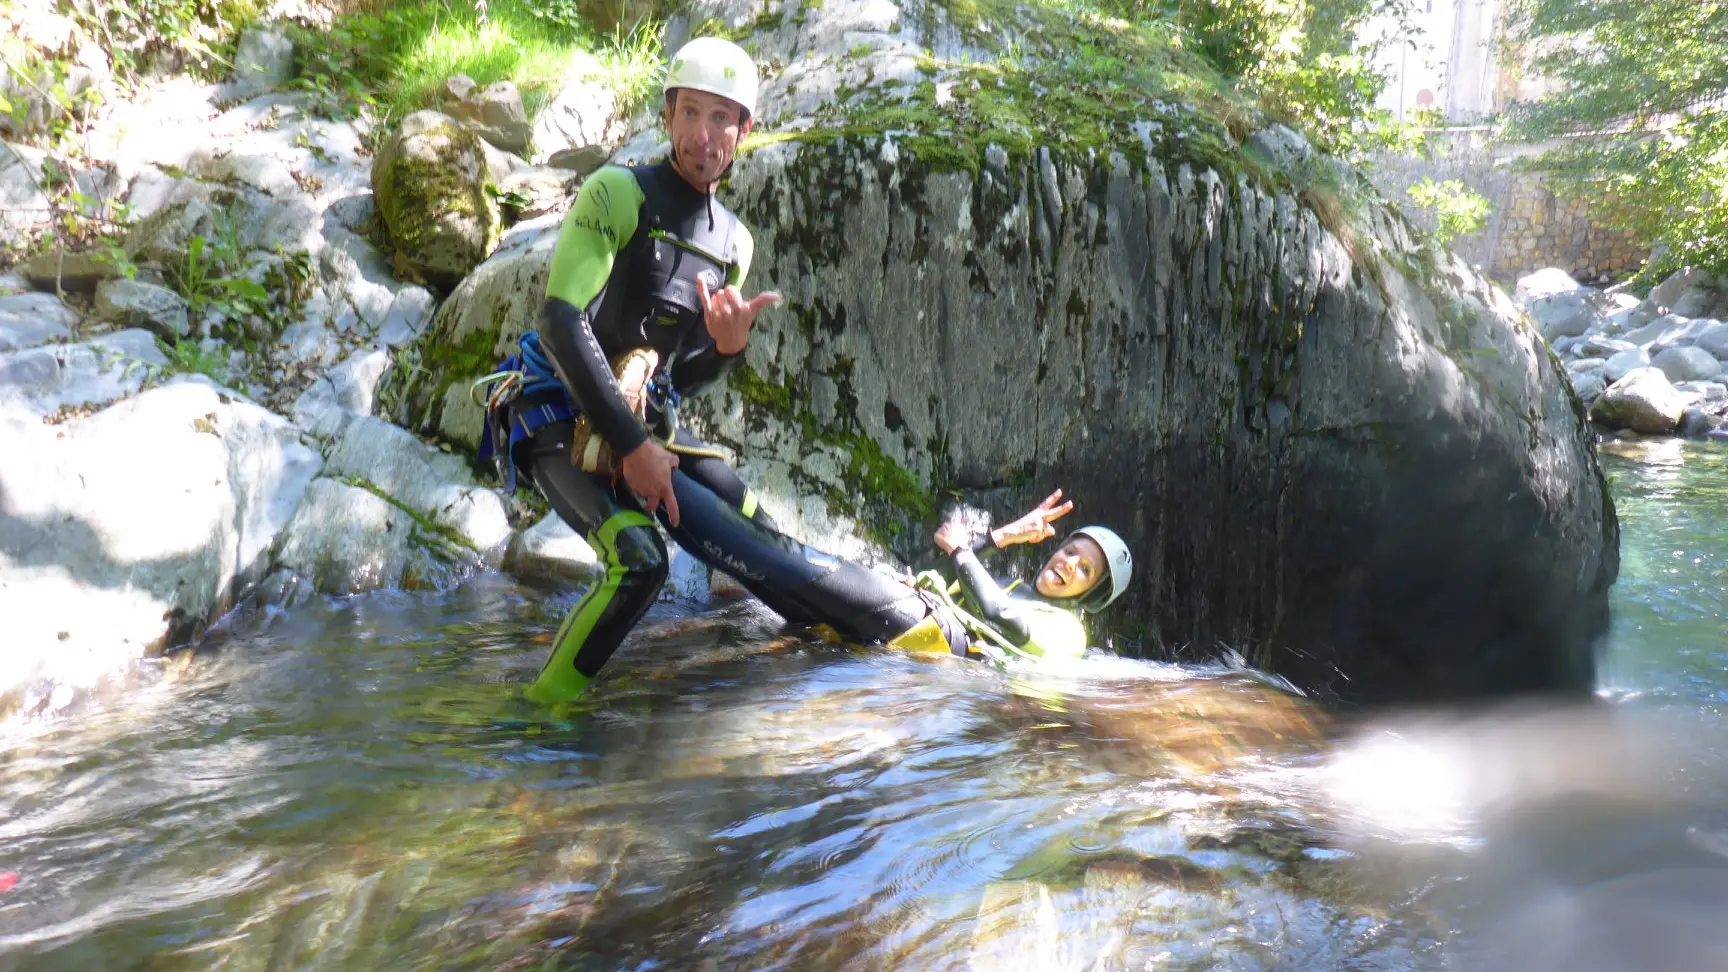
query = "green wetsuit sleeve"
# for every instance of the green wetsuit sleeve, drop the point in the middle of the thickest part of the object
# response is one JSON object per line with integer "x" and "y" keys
{"x": 703, "y": 365}
{"x": 995, "y": 607}
{"x": 598, "y": 226}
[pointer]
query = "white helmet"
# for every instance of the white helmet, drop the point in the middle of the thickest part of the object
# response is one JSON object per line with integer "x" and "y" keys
{"x": 716, "y": 66}
{"x": 1120, "y": 561}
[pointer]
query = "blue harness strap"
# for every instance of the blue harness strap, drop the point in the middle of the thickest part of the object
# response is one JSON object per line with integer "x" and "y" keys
{"x": 534, "y": 398}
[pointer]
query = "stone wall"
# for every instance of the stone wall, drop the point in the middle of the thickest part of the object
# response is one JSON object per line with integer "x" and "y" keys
{"x": 1528, "y": 227}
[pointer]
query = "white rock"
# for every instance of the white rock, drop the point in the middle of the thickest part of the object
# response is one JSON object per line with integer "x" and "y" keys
{"x": 1643, "y": 401}
{"x": 28, "y": 320}
{"x": 1545, "y": 283}
{"x": 550, "y": 550}
{"x": 1624, "y": 363}
{"x": 1713, "y": 339}
{"x": 347, "y": 540}
{"x": 136, "y": 525}
{"x": 346, "y": 392}
{"x": 582, "y": 116}
{"x": 1595, "y": 346}
{"x": 410, "y": 311}
{"x": 1563, "y": 315}
{"x": 1687, "y": 364}
{"x": 1703, "y": 391}
{"x": 41, "y": 381}
{"x": 435, "y": 484}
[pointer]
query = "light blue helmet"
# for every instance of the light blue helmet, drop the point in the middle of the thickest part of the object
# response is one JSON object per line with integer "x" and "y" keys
{"x": 1116, "y": 557}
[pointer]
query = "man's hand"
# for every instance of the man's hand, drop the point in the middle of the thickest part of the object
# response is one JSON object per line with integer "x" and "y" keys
{"x": 648, "y": 473}
{"x": 1034, "y": 526}
{"x": 951, "y": 536}
{"x": 729, "y": 315}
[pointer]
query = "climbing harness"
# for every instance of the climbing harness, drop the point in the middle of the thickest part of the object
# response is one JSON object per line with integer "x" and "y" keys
{"x": 1002, "y": 650}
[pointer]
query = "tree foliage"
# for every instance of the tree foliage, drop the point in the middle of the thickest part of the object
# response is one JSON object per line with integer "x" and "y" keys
{"x": 1310, "y": 61}
{"x": 1643, "y": 112}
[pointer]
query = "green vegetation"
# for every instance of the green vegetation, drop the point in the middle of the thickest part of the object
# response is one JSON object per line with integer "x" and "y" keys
{"x": 398, "y": 56}
{"x": 1182, "y": 82}
{"x": 1649, "y": 94}
{"x": 1457, "y": 209}
{"x": 141, "y": 35}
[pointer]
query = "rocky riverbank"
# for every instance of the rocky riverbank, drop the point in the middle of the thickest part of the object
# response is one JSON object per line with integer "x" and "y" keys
{"x": 1643, "y": 367}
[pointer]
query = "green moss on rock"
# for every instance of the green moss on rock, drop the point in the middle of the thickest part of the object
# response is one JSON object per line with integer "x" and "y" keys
{"x": 429, "y": 181}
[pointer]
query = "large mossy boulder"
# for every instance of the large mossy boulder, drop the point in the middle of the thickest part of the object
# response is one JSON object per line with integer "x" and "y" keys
{"x": 429, "y": 181}
{"x": 1334, "y": 448}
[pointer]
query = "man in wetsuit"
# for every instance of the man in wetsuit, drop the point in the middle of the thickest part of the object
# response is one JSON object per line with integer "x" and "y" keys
{"x": 646, "y": 258}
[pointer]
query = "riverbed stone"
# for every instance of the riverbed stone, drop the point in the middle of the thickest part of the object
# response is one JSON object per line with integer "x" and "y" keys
{"x": 1624, "y": 363}
{"x": 551, "y": 551}
{"x": 1687, "y": 364}
{"x": 1643, "y": 401}
{"x": 1598, "y": 346}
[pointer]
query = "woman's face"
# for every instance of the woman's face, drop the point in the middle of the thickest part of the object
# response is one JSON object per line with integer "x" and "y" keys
{"x": 1074, "y": 569}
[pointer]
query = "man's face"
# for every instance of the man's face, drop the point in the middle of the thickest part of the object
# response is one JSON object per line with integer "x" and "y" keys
{"x": 706, "y": 130}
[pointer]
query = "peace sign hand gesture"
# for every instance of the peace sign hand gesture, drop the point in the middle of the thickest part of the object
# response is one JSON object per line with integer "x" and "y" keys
{"x": 1034, "y": 526}
{"x": 729, "y": 316}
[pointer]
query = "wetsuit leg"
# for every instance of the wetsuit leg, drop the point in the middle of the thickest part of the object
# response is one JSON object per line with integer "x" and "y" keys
{"x": 712, "y": 472}
{"x": 630, "y": 551}
{"x": 796, "y": 580}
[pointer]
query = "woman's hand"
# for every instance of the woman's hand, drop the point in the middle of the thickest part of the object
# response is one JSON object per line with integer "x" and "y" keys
{"x": 1034, "y": 526}
{"x": 951, "y": 536}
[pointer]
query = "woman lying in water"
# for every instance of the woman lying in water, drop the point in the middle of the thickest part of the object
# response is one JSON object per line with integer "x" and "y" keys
{"x": 971, "y": 617}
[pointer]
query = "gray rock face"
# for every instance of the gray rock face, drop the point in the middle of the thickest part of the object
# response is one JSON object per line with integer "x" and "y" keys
{"x": 1624, "y": 363}
{"x": 27, "y": 320}
{"x": 43, "y": 380}
{"x": 263, "y": 60}
{"x": 1687, "y": 364}
{"x": 1643, "y": 401}
{"x": 494, "y": 112}
{"x": 580, "y": 124}
{"x": 1596, "y": 346}
{"x": 1563, "y": 315}
{"x": 108, "y": 549}
{"x": 1589, "y": 385}
{"x": 1714, "y": 339}
{"x": 1695, "y": 423}
{"x": 131, "y": 303}
{"x": 1190, "y": 358}
{"x": 23, "y": 205}
{"x": 472, "y": 331}
{"x": 58, "y": 269}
